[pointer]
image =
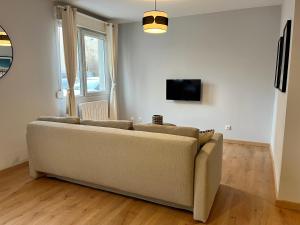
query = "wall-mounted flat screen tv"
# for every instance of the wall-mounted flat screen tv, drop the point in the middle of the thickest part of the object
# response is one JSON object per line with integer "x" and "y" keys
{"x": 184, "y": 90}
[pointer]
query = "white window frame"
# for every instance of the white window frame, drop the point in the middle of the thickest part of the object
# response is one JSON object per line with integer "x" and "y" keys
{"x": 82, "y": 64}
{"x": 84, "y": 95}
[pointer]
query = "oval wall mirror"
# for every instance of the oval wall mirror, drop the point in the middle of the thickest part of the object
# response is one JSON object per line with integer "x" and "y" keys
{"x": 6, "y": 52}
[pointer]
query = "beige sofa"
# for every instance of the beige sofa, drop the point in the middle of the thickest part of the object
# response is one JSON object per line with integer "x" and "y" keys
{"x": 162, "y": 168}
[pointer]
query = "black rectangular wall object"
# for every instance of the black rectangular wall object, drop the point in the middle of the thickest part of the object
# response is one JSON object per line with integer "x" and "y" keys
{"x": 285, "y": 55}
{"x": 278, "y": 63}
{"x": 183, "y": 89}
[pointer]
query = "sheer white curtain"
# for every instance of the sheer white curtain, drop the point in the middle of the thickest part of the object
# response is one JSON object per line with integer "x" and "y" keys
{"x": 112, "y": 45}
{"x": 70, "y": 46}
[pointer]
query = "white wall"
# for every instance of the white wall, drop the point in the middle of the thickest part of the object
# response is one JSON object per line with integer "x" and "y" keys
{"x": 280, "y": 104}
{"x": 234, "y": 53}
{"x": 28, "y": 90}
{"x": 286, "y": 140}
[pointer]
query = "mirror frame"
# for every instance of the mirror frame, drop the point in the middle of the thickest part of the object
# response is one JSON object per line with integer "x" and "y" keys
{"x": 12, "y": 53}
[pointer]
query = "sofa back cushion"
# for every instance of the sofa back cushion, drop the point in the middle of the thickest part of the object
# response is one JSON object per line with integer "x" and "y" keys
{"x": 175, "y": 130}
{"x": 71, "y": 120}
{"x": 120, "y": 124}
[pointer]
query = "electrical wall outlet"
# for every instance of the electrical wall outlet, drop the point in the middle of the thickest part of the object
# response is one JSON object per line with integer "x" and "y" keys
{"x": 228, "y": 127}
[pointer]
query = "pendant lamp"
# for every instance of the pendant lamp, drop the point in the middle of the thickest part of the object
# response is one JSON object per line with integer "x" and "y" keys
{"x": 155, "y": 21}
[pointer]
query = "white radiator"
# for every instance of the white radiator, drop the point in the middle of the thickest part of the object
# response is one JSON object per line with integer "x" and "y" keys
{"x": 97, "y": 110}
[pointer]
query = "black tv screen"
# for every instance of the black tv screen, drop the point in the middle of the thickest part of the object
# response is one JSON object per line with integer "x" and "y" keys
{"x": 187, "y": 90}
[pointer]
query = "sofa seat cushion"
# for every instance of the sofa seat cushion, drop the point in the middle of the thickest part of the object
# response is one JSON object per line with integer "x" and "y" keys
{"x": 174, "y": 130}
{"x": 120, "y": 124}
{"x": 71, "y": 120}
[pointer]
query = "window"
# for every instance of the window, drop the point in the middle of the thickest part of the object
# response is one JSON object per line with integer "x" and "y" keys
{"x": 94, "y": 61}
{"x": 91, "y": 73}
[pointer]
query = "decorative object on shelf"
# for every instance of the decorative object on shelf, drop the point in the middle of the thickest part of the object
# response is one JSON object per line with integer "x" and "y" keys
{"x": 6, "y": 52}
{"x": 285, "y": 56}
{"x": 157, "y": 119}
{"x": 155, "y": 21}
{"x": 278, "y": 63}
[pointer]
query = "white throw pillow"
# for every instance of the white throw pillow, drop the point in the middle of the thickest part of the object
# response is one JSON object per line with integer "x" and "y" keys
{"x": 205, "y": 136}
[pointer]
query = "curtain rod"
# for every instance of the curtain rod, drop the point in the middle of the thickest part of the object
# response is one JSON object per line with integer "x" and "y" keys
{"x": 84, "y": 12}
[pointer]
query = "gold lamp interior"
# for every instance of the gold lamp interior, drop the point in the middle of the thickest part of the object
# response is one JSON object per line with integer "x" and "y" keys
{"x": 4, "y": 39}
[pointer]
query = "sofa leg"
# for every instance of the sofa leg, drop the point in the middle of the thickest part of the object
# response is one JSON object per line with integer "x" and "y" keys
{"x": 35, "y": 174}
{"x": 199, "y": 217}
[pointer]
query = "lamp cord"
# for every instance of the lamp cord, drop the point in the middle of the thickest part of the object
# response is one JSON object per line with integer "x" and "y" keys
{"x": 155, "y": 5}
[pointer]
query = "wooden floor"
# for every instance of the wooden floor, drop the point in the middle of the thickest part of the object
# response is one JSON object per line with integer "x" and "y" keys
{"x": 246, "y": 197}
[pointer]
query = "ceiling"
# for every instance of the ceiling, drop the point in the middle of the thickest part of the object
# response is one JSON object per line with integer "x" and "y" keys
{"x": 132, "y": 10}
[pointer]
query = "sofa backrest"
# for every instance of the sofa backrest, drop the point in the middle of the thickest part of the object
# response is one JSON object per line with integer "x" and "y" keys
{"x": 71, "y": 120}
{"x": 158, "y": 166}
{"x": 174, "y": 130}
{"x": 120, "y": 124}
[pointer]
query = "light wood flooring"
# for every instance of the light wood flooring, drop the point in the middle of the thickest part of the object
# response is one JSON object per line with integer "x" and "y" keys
{"x": 246, "y": 197}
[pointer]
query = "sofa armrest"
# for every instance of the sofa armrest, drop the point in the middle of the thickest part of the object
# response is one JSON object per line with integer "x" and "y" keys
{"x": 208, "y": 169}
